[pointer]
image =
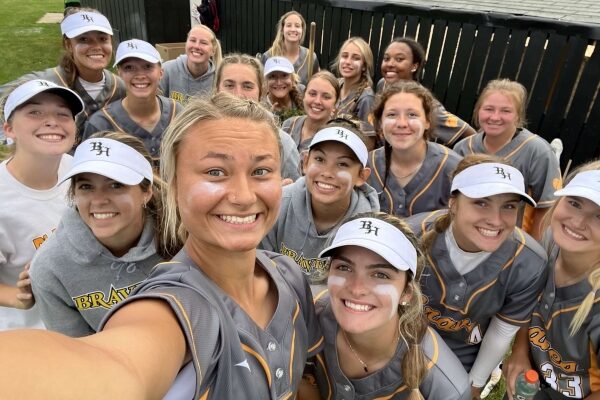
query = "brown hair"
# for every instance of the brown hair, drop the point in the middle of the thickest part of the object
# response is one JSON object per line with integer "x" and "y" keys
{"x": 427, "y": 101}
{"x": 67, "y": 61}
{"x": 154, "y": 206}
{"x": 514, "y": 90}
{"x": 412, "y": 324}
{"x": 278, "y": 46}
{"x": 594, "y": 276}
{"x": 330, "y": 78}
{"x": 442, "y": 223}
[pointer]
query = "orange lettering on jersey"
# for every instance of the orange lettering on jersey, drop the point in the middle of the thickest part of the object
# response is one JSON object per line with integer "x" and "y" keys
{"x": 537, "y": 337}
{"x": 310, "y": 266}
{"x": 37, "y": 242}
{"x": 449, "y": 324}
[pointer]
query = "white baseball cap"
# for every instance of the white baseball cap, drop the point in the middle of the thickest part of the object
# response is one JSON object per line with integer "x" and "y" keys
{"x": 110, "y": 158}
{"x": 585, "y": 184}
{"x": 278, "y": 64}
{"x": 345, "y": 136}
{"x": 84, "y": 21}
{"x": 380, "y": 237}
{"x": 29, "y": 89}
{"x": 488, "y": 179}
{"x": 136, "y": 48}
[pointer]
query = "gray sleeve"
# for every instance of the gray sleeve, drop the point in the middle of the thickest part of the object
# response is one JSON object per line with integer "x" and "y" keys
{"x": 54, "y": 304}
{"x": 163, "y": 85}
{"x": 316, "y": 66}
{"x": 543, "y": 173}
{"x": 269, "y": 242}
{"x": 364, "y": 106}
{"x": 95, "y": 123}
{"x": 290, "y": 158}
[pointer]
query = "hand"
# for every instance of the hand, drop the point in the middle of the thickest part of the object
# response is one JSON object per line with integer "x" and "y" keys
{"x": 517, "y": 363}
{"x": 476, "y": 392}
{"x": 286, "y": 181}
{"x": 24, "y": 297}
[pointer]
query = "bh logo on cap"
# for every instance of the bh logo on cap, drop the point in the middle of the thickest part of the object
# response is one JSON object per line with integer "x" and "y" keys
{"x": 504, "y": 174}
{"x": 369, "y": 228}
{"x": 99, "y": 148}
{"x": 132, "y": 45}
{"x": 87, "y": 18}
{"x": 341, "y": 134}
{"x": 43, "y": 83}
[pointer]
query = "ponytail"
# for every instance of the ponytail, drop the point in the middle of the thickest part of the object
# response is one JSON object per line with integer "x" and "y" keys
{"x": 588, "y": 302}
{"x": 441, "y": 224}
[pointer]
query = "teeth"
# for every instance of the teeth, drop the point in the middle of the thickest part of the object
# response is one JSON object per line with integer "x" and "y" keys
{"x": 573, "y": 234}
{"x": 390, "y": 74}
{"x": 325, "y": 186}
{"x": 232, "y": 219}
{"x": 316, "y": 109}
{"x": 489, "y": 232}
{"x": 357, "y": 307}
{"x": 96, "y": 56}
{"x": 196, "y": 53}
{"x": 50, "y": 137}
{"x": 141, "y": 85}
{"x": 103, "y": 215}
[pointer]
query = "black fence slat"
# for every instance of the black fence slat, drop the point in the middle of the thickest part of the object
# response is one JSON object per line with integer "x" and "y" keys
{"x": 479, "y": 54}
{"x": 434, "y": 52}
{"x": 424, "y": 32}
{"x": 355, "y": 27}
{"x": 589, "y": 141}
{"x": 496, "y": 54}
{"x": 544, "y": 81}
{"x": 447, "y": 61}
{"x": 412, "y": 24}
{"x": 329, "y": 16}
{"x": 566, "y": 77}
{"x": 365, "y": 25}
{"x": 461, "y": 63}
{"x": 514, "y": 53}
{"x": 532, "y": 58}
{"x": 399, "y": 25}
{"x": 582, "y": 146}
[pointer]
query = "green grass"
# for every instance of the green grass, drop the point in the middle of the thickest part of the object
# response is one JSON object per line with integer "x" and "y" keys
{"x": 27, "y": 46}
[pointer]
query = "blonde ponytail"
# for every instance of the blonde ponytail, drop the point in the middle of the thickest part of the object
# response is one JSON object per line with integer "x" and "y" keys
{"x": 588, "y": 302}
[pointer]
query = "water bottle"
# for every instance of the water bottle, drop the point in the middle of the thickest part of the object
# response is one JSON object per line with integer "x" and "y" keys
{"x": 527, "y": 385}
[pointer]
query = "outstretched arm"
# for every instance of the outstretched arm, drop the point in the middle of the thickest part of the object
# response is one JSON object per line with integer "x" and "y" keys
{"x": 137, "y": 356}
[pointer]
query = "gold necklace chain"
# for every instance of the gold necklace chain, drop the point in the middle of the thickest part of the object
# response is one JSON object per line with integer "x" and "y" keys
{"x": 364, "y": 364}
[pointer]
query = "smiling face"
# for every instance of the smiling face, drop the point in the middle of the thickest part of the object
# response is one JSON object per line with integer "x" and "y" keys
{"x": 228, "y": 183}
{"x": 319, "y": 100}
{"x": 198, "y": 46}
{"x": 498, "y": 115}
{"x": 352, "y": 62}
{"x": 483, "y": 224}
{"x": 331, "y": 172}
{"x": 398, "y": 63}
{"x": 239, "y": 80}
{"x": 292, "y": 29}
{"x": 113, "y": 211}
{"x": 43, "y": 126}
{"x": 280, "y": 84}
{"x": 365, "y": 290}
{"x": 141, "y": 77}
{"x": 404, "y": 121}
{"x": 575, "y": 225}
{"x": 91, "y": 51}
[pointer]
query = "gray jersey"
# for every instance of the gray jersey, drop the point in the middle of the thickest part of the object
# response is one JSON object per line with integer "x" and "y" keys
{"x": 446, "y": 379}
{"x": 568, "y": 364}
{"x": 359, "y": 104}
{"x": 505, "y": 285}
{"x": 290, "y": 158}
{"x": 531, "y": 155}
{"x": 293, "y": 126}
{"x": 295, "y": 234}
{"x": 301, "y": 64}
{"x": 76, "y": 280}
{"x": 114, "y": 117}
{"x": 114, "y": 89}
{"x": 428, "y": 190}
{"x": 178, "y": 83}
{"x": 233, "y": 357}
{"x": 448, "y": 128}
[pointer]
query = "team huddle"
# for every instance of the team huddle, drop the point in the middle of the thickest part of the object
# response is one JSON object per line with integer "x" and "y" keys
{"x": 238, "y": 227}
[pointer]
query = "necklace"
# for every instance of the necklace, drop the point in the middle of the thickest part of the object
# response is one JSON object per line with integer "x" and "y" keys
{"x": 364, "y": 364}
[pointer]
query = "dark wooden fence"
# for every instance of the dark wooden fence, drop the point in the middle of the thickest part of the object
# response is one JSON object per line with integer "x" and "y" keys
{"x": 465, "y": 50}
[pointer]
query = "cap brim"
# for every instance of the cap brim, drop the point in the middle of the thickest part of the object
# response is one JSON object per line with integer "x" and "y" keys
{"x": 278, "y": 69}
{"x": 141, "y": 56}
{"x": 384, "y": 251}
{"x": 78, "y": 31}
{"x": 491, "y": 189}
{"x": 73, "y": 100}
{"x": 580, "y": 191}
{"x": 119, "y": 173}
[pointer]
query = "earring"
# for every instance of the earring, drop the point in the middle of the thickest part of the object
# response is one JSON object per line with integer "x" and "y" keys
{"x": 413, "y": 70}
{"x": 144, "y": 205}
{"x": 404, "y": 303}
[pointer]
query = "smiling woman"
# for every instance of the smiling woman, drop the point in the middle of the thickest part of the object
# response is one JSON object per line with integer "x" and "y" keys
{"x": 243, "y": 321}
